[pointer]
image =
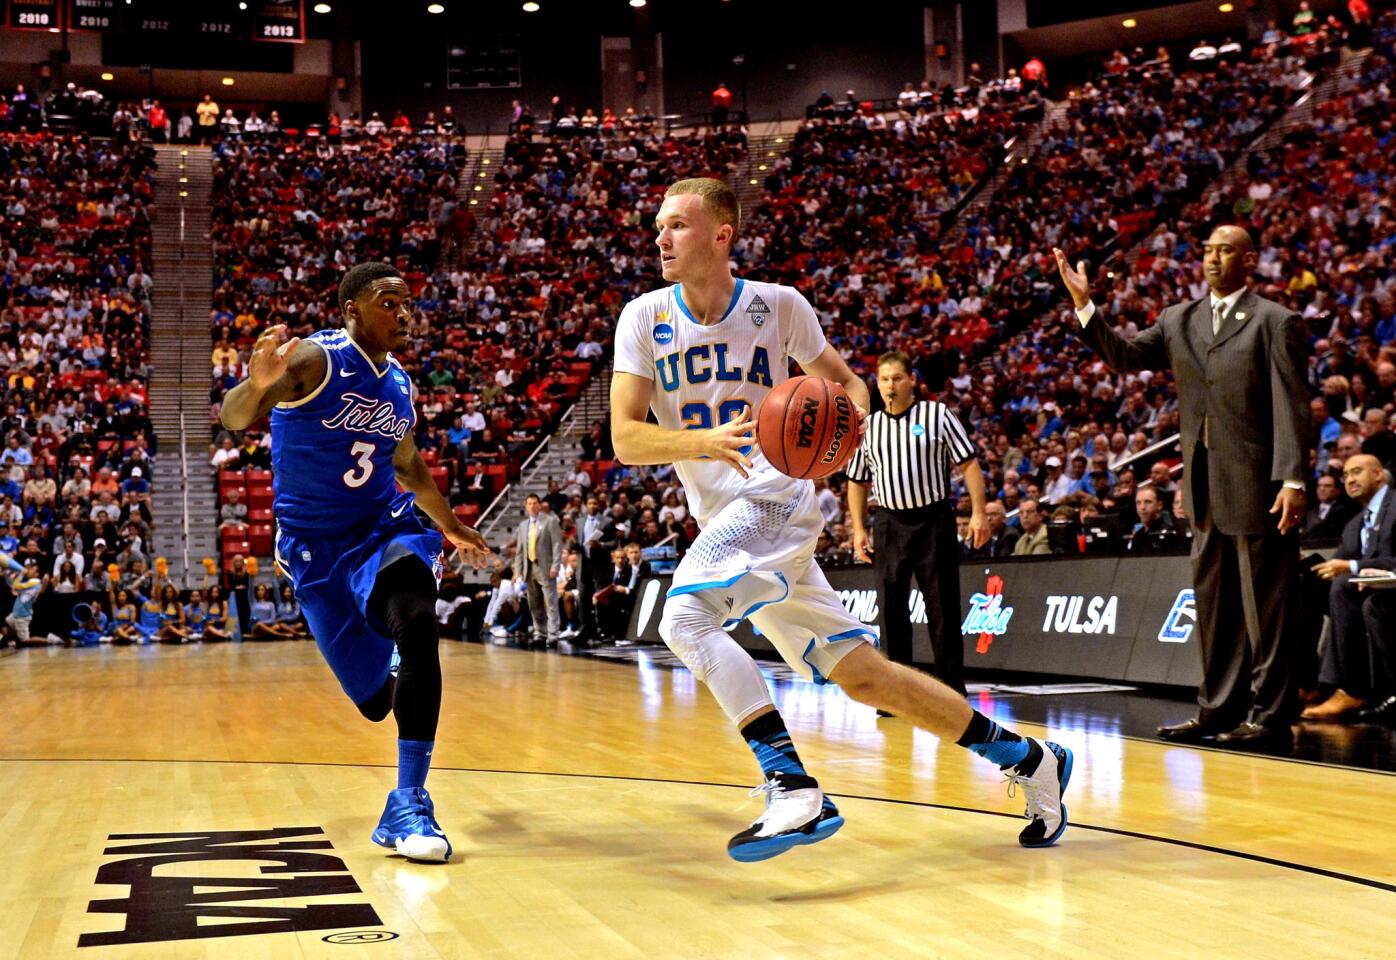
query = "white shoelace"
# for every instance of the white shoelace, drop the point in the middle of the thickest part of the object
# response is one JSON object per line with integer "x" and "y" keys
{"x": 1035, "y": 805}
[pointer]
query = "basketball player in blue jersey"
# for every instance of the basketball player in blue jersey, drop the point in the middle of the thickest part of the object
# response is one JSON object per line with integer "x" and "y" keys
{"x": 364, "y": 568}
{"x": 701, "y": 355}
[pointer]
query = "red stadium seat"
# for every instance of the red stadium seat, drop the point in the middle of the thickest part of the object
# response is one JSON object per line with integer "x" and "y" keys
{"x": 259, "y": 497}
{"x": 442, "y": 477}
{"x": 260, "y": 515}
{"x": 260, "y": 537}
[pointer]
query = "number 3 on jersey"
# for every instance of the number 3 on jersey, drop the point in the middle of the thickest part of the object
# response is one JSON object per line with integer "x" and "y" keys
{"x": 699, "y": 416}
{"x": 357, "y": 475}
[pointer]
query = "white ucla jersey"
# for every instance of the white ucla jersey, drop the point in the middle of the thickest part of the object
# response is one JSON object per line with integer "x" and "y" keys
{"x": 705, "y": 375}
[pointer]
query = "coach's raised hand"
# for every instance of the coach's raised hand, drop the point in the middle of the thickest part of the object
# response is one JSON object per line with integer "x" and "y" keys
{"x": 727, "y": 442}
{"x": 1075, "y": 279}
{"x": 270, "y": 356}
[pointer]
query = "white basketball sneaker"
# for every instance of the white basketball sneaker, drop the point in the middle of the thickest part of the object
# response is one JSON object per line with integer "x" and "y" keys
{"x": 797, "y": 813}
{"x": 1043, "y": 790}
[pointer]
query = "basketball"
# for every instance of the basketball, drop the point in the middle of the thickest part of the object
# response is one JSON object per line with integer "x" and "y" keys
{"x": 807, "y": 427}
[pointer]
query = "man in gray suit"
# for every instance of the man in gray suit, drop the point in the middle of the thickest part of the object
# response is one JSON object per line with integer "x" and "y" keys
{"x": 537, "y": 554}
{"x": 1239, "y": 361}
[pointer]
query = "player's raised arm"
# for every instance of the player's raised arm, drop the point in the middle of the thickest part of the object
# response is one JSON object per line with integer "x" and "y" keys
{"x": 638, "y": 441}
{"x": 411, "y": 471}
{"x": 280, "y": 371}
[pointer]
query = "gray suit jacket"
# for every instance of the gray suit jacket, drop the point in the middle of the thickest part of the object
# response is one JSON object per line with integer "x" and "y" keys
{"x": 1247, "y": 383}
{"x": 549, "y": 546}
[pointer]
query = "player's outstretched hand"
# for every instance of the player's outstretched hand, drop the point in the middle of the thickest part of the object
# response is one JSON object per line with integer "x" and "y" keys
{"x": 1076, "y": 283}
{"x": 471, "y": 546}
{"x": 270, "y": 356}
{"x": 726, "y": 442}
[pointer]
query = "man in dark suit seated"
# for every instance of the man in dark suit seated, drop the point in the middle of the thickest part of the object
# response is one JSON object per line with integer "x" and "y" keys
{"x": 1002, "y": 538}
{"x": 1360, "y": 660}
{"x": 1155, "y": 532}
{"x": 1330, "y": 513}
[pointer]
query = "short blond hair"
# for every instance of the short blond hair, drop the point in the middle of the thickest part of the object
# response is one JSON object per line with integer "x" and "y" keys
{"x": 717, "y": 196}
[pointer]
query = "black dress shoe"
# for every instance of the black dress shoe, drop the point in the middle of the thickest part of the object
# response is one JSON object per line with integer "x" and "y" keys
{"x": 1383, "y": 713}
{"x": 1256, "y": 735}
{"x": 1189, "y": 731}
{"x": 883, "y": 713}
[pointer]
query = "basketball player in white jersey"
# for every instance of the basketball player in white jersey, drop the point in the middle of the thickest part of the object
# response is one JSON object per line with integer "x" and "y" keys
{"x": 702, "y": 354}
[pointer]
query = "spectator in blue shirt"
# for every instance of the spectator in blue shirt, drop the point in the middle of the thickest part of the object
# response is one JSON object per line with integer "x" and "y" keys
{"x": 1325, "y": 424}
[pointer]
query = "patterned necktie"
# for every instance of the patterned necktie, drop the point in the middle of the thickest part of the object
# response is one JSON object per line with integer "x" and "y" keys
{"x": 1369, "y": 527}
{"x": 1218, "y": 309}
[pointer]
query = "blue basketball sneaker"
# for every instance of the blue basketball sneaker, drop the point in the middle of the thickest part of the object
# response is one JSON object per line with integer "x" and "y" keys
{"x": 1043, "y": 789}
{"x": 409, "y": 826}
{"x": 797, "y": 813}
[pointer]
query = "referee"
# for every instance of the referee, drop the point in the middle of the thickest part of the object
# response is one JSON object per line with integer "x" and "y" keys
{"x": 907, "y": 454}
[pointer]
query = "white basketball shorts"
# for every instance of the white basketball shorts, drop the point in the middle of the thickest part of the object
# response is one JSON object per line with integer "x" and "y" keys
{"x": 755, "y": 561}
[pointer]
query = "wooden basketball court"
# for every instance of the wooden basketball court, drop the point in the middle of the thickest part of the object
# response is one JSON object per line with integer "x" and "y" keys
{"x": 590, "y": 803}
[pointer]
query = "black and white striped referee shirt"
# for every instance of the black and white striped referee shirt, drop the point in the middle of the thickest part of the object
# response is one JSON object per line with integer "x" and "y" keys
{"x": 908, "y": 457}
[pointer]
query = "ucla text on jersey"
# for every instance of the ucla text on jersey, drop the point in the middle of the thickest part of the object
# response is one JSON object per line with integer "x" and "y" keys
{"x": 332, "y": 451}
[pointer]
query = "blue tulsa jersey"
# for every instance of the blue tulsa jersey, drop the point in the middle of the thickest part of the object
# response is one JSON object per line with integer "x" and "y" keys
{"x": 332, "y": 452}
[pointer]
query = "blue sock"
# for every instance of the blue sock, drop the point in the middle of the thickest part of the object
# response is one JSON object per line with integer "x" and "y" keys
{"x": 770, "y": 741}
{"x": 413, "y": 762}
{"x": 993, "y": 742}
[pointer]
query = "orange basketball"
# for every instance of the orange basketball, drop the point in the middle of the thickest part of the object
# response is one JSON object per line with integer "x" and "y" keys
{"x": 807, "y": 427}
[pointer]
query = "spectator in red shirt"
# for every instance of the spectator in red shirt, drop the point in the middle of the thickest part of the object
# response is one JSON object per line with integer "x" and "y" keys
{"x": 722, "y": 103}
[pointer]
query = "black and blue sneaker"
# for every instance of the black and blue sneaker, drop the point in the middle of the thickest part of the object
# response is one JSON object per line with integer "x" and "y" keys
{"x": 797, "y": 813}
{"x": 409, "y": 826}
{"x": 1043, "y": 774}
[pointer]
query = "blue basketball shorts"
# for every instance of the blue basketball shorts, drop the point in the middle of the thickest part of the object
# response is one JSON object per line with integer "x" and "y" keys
{"x": 333, "y": 579}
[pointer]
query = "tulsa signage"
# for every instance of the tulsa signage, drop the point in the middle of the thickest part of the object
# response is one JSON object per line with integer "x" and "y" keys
{"x": 1077, "y": 614}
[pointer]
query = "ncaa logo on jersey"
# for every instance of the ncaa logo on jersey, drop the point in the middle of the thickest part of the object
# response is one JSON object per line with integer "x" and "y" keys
{"x": 401, "y": 382}
{"x": 917, "y": 430}
{"x": 663, "y": 333}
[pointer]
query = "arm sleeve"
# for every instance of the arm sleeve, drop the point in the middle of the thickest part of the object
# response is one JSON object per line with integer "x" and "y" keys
{"x": 957, "y": 441}
{"x": 1289, "y": 399}
{"x": 634, "y": 346}
{"x": 804, "y": 340}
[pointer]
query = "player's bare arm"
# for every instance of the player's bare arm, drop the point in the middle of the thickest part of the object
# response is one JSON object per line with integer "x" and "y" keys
{"x": 411, "y": 472}
{"x": 637, "y": 441}
{"x": 280, "y": 371}
{"x": 831, "y": 366}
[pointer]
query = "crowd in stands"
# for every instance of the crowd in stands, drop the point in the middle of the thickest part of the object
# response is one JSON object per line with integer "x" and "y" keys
{"x": 77, "y": 446}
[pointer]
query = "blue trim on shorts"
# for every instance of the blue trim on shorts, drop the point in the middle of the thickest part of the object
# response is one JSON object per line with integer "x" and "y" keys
{"x": 705, "y": 585}
{"x": 857, "y": 632}
{"x": 731, "y": 622}
{"x": 819, "y": 678}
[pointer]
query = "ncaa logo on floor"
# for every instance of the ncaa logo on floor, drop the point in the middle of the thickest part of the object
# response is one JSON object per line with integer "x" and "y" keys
{"x": 162, "y": 907}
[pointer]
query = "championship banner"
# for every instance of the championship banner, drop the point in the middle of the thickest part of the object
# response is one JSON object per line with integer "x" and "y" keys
{"x": 1126, "y": 619}
{"x": 278, "y": 21}
{"x": 92, "y": 16}
{"x": 32, "y": 15}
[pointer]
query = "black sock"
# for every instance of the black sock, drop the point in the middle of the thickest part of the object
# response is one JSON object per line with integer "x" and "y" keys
{"x": 993, "y": 742}
{"x": 775, "y": 751}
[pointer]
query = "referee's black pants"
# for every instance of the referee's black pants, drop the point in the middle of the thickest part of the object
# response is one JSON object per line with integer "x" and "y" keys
{"x": 920, "y": 542}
